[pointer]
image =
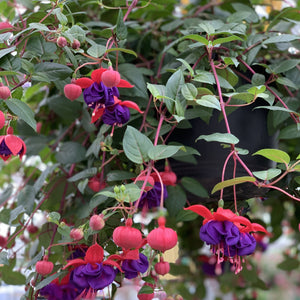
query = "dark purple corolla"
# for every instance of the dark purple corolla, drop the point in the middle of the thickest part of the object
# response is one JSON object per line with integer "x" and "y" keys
{"x": 152, "y": 197}
{"x": 99, "y": 95}
{"x": 132, "y": 267}
{"x": 116, "y": 114}
{"x": 95, "y": 276}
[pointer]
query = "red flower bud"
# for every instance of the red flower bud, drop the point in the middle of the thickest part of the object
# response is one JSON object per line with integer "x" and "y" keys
{"x": 32, "y": 228}
{"x": 162, "y": 267}
{"x": 3, "y": 241}
{"x": 2, "y": 119}
{"x": 96, "y": 222}
{"x": 72, "y": 91}
{"x": 127, "y": 237}
{"x": 95, "y": 185}
{"x": 4, "y": 92}
{"x": 145, "y": 296}
{"x": 6, "y": 25}
{"x": 44, "y": 267}
{"x": 110, "y": 78}
{"x": 61, "y": 42}
{"x": 76, "y": 44}
{"x": 76, "y": 234}
{"x": 162, "y": 238}
{"x": 38, "y": 127}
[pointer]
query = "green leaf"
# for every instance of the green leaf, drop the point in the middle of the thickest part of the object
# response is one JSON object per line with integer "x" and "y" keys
{"x": 277, "y": 108}
{"x": 176, "y": 200}
{"x": 12, "y": 277}
{"x": 146, "y": 289}
{"x": 83, "y": 174}
{"x": 23, "y": 111}
{"x": 258, "y": 79}
{"x": 96, "y": 50}
{"x": 189, "y": 91}
{"x": 186, "y": 215}
{"x": 230, "y": 182}
{"x": 54, "y": 217}
{"x": 70, "y": 152}
{"x": 41, "y": 180}
{"x": 128, "y": 51}
{"x": 226, "y": 39}
{"x": 274, "y": 155}
{"x": 53, "y": 71}
{"x": 255, "y": 90}
{"x": 49, "y": 279}
{"x": 230, "y": 61}
{"x": 136, "y": 145}
{"x": 287, "y": 82}
{"x": 193, "y": 186}
{"x": 268, "y": 174}
{"x": 6, "y": 51}
{"x": 26, "y": 198}
{"x": 162, "y": 151}
{"x": 60, "y": 16}
{"x": 285, "y": 65}
{"x": 197, "y": 38}
{"x": 219, "y": 137}
{"x": 289, "y": 264}
{"x": 289, "y": 132}
{"x": 14, "y": 214}
{"x": 209, "y": 101}
{"x": 119, "y": 175}
{"x": 187, "y": 65}
{"x": 281, "y": 38}
{"x": 3, "y": 258}
{"x": 157, "y": 90}
{"x": 238, "y": 16}
{"x": 121, "y": 29}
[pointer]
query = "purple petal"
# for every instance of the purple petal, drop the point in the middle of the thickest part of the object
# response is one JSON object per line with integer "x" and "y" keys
{"x": 232, "y": 233}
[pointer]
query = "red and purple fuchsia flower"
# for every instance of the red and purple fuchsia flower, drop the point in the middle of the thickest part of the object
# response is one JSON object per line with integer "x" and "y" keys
{"x": 228, "y": 235}
{"x": 92, "y": 273}
{"x": 11, "y": 145}
{"x": 104, "y": 100}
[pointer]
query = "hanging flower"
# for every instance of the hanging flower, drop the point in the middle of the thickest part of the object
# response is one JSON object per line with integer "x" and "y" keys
{"x": 152, "y": 198}
{"x": 228, "y": 235}
{"x": 132, "y": 267}
{"x": 95, "y": 93}
{"x": 11, "y": 145}
{"x": 64, "y": 289}
{"x": 92, "y": 273}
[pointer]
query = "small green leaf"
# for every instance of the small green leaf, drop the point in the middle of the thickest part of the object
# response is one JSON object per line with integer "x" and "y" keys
{"x": 23, "y": 111}
{"x": 53, "y": 71}
{"x": 255, "y": 90}
{"x": 54, "y": 217}
{"x": 49, "y": 279}
{"x": 268, "y": 174}
{"x": 157, "y": 90}
{"x": 274, "y": 155}
{"x": 118, "y": 175}
{"x": 287, "y": 82}
{"x": 121, "y": 29}
{"x": 189, "y": 91}
{"x": 277, "y": 108}
{"x": 219, "y": 137}
{"x": 281, "y": 38}
{"x": 96, "y": 50}
{"x": 136, "y": 145}
{"x": 186, "y": 215}
{"x": 187, "y": 65}
{"x": 193, "y": 186}
{"x": 6, "y": 51}
{"x": 146, "y": 289}
{"x": 258, "y": 79}
{"x": 209, "y": 101}
{"x": 83, "y": 174}
{"x": 285, "y": 65}
{"x": 197, "y": 38}
{"x": 128, "y": 51}
{"x": 162, "y": 151}
{"x": 227, "y": 39}
{"x": 230, "y": 182}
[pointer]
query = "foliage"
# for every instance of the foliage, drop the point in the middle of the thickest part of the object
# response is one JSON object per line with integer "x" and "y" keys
{"x": 180, "y": 130}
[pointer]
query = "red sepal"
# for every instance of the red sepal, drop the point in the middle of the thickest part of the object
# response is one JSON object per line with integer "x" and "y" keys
{"x": 13, "y": 143}
{"x": 258, "y": 227}
{"x": 97, "y": 114}
{"x": 75, "y": 263}
{"x": 112, "y": 263}
{"x": 94, "y": 254}
{"x": 97, "y": 74}
{"x": 200, "y": 210}
{"x": 132, "y": 105}
{"x": 132, "y": 254}
{"x": 124, "y": 84}
{"x": 84, "y": 82}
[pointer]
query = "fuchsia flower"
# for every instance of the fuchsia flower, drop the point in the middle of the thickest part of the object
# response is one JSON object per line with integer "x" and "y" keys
{"x": 11, "y": 145}
{"x": 92, "y": 273}
{"x": 228, "y": 235}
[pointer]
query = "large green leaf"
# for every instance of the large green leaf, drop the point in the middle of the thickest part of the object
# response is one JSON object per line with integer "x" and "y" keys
{"x": 209, "y": 101}
{"x": 281, "y": 38}
{"x": 194, "y": 187}
{"x": 285, "y": 65}
{"x": 23, "y": 111}
{"x": 274, "y": 155}
{"x": 162, "y": 151}
{"x": 197, "y": 38}
{"x": 230, "y": 182}
{"x": 268, "y": 174}
{"x": 176, "y": 200}
{"x": 53, "y": 71}
{"x": 219, "y": 137}
{"x": 96, "y": 50}
{"x": 136, "y": 145}
{"x": 70, "y": 152}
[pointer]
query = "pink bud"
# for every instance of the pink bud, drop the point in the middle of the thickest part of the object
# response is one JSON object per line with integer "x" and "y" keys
{"x": 96, "y": 222}
{"x": 110, "y": 78}
{"x": 2, "y": 119}
{"x": 3, "y": 241}
{"x": 44, "y": 267}
{"x": 32, "y": 228}
{"x": 10, "y": 130}
{"x": 75, "y": 44}
{"x": 72, "y": 91}
{"x": 162, "y": 267}
{"x": 162, "y": 238}
{"x": 61, "y": 42}
{"x": 4, "y": 92}
{"x": 38, "y": 127}
{"x": 127, "y": 237}
{"x": 6, "y": 25}
{"x": 76, "y": 234}
{"x": 145, "y": 296}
